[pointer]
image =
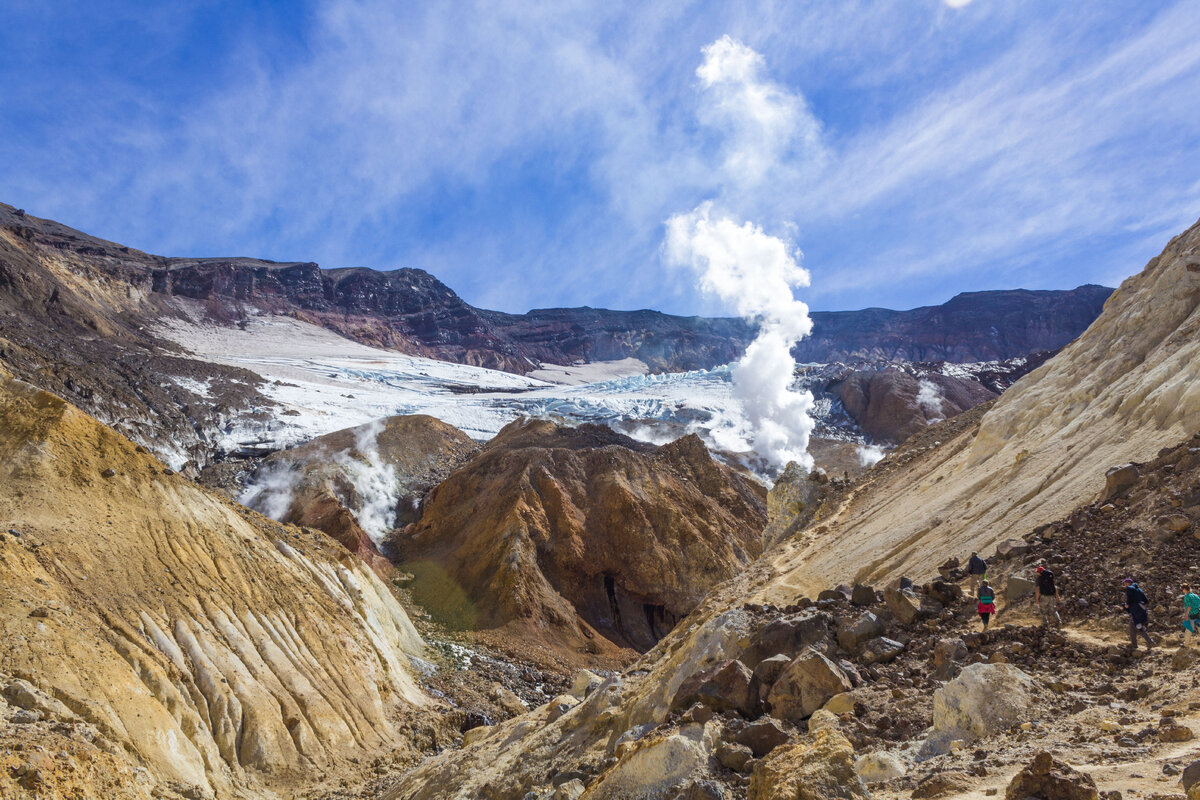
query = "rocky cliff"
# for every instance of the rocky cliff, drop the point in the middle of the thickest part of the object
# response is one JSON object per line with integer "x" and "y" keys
{"x": 74, "y": 313}
{"x": 581, "y": 537}
{"x": 972, "y": 326}
{"x": 172, "y": 637}
{"x": 411, "y": 311}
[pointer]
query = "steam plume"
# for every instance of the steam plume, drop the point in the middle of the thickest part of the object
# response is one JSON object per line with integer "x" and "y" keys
{"x": 755, "y": 273}
{"x": 929, "y": 398}
{"x": 374, "y": 482}
{"x": 869, "y": 454}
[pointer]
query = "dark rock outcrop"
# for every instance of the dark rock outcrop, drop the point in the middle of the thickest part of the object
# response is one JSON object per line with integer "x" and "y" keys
{"x": 1048, "y": 777}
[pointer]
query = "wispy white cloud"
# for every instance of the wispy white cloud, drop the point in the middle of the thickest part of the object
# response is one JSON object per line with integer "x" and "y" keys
{"x": 918, "y": 148}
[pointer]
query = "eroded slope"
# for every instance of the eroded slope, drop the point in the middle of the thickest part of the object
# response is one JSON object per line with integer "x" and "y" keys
{"x": 217, "y": 649}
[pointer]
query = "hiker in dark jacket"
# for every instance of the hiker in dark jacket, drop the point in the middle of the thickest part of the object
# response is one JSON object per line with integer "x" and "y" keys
{"x": 987, "y": 601}
{"x": 1137, "y": 604}
{"x": 1046, "y": 596}
{"x": 976, "y": 569}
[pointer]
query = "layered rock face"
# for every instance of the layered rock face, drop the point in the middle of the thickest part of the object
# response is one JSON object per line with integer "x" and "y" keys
{"x": 581, "y": 535}
{"x": 180, "y": 633}
{"x": 972, "y": 326}
{"x": 411, "y": 311}
{"x": 359, "y": 483}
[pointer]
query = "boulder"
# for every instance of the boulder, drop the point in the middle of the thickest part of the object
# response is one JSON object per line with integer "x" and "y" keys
{"x": 940, "y": 784}
{"x": 903, "y": 603}
{"x": 946, "y": 655}
{"x": 1018, "y": 586}
{"x": 930, "y": 607}
{"x": 805, "y": 685}
{"x": 724, "y": 686}
{"x": 1118, "y": 480}
{"x": 1174, "y": 732}
{"x": 702, "y": 790}
{"x": 1048, "y": 777}
{"x": 854, "y": 633}
{"x": 880, "y": 767}
{"x": 1011, "y": 548}
{"x": 734, "y": 756}
{"x": 571, "y": 790}
{"x": 983, "y": 700}
{"x": 947, "y": 569}
{"x": 841, "y": 703}
{"x": 584, "y": 683}
{"x": 945, "y": 592}
{"x": 1191, "y": 775}
{"x": 788, "y": 635}
{"x": 762, "y": 736}
{"x": 881, "y": 650}
{"x": 768, "y": 671}
{"x": 648, "y": 768}
{"x": 819, "y": 768}
{"x": 862, "y": 595}
{"x": 1175, "y": 523}
{"x": 1184, "y": 657}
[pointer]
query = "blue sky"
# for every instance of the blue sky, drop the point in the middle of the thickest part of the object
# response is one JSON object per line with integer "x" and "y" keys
{"x": 529, "y": 154}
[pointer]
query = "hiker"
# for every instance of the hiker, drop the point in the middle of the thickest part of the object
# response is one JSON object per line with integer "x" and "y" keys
{"x": 1045, "y": 594}
{"x": 1137, "y": 604}
{"x": 1191, "y": 610}
{"x": 976, "y": 570}
{"x": 987, "y": 601}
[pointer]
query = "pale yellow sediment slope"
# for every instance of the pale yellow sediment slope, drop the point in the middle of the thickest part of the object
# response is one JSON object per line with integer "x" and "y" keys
{"x": 1127, "y": 387}
{"x": 215, "y": 648}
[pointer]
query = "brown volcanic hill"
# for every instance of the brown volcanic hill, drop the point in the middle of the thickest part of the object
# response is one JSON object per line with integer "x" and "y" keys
{"x": 163, "y": 627}
{"x": 568, "y": 534}
{"x": 359, "y": 483}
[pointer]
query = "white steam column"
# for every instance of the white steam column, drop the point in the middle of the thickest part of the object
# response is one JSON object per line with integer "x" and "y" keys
{"x": 755, "y": 273}
{"x": 762, "y": 124}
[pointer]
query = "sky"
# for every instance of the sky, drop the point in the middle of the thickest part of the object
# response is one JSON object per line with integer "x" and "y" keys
{"x": 530, "y": 154}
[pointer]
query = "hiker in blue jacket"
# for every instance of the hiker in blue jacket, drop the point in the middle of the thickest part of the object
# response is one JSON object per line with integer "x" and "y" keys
{"x": 1137, "y": 604}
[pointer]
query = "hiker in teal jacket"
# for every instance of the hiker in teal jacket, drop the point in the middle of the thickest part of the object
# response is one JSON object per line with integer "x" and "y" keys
{"x": 1191, "y": 609}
